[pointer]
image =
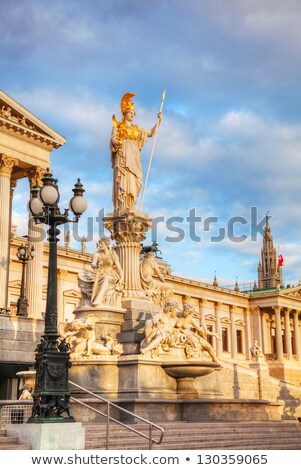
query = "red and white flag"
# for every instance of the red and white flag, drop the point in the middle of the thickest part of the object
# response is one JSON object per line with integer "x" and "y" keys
{"x": 280, "y": 260}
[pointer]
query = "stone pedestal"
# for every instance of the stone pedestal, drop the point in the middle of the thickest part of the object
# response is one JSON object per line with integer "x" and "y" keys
{"x": 107, "y": 319}
{"x": 263, "y": 379}
{"x": 128, "y": 229}
{"x": 97, "y": 376}
{"x": 132, "y": 330}
{"x": 49, "y": 436}
{"x": 141, "y": 377}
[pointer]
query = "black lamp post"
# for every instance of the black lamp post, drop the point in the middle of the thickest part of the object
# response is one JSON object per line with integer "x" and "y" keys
{"x": 51, "y": 395}
{"x": 24, "y": 257}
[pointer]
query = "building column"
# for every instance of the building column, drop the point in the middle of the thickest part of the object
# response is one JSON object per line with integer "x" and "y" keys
{"x": 34, "y": 272}
{"x": 257, "y": 326}
{"x": 13, "y": 185}
{"x": 287, "y": 334}
{"x": 219, "y": 348}
{"x": 202, "y": 303}
{"x": 61, "y": 274}
{"x": 247, "y": 333}
{"x": 233, "y": 333}
{"x": 279, "y": 345}
{"x": 6, "y": 168}
{"x": 297, "y": 335}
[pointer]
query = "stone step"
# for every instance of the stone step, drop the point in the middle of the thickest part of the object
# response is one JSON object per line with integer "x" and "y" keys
{"x": 197, "y": 434}
{"x": 180, "y": 436}
{"x": 8, "y": 440}
{"x": 221, "y": 444}
{"x": 10, "y": 443}
{"x": 14, "y": 447}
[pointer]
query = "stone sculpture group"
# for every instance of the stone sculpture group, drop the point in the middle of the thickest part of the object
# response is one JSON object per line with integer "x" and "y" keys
{"x": 127, "y": 271}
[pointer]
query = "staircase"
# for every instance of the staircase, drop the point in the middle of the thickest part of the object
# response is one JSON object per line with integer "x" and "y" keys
{"x": 276, "y": 435}
{"x": 10, "y": 443}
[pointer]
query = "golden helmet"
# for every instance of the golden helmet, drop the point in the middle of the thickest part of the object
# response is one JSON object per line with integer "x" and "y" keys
{"x": 126, "y": 103}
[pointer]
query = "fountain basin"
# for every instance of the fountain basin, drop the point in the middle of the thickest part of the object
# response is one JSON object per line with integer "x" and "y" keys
{"x": 186, "y": 372}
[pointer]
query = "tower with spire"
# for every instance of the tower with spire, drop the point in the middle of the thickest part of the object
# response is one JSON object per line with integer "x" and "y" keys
{"x": 269, "y": 273}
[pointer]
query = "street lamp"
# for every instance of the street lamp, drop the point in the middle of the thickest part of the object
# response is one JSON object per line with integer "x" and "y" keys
{"x": 51, "y": 395}
{"x": 24, "y": 257}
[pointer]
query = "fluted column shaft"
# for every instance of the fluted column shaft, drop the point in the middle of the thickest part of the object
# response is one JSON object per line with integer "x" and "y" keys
{"x": 297, "y": 335}
{"x": 233, "y": 333}
{"x": 219, "y": 348}
{"x": 279, "y": 345}
{"x": 258, "y": 327}
{"x": 128, "y": 230}
{"x": 287, "y": 334}
{"x": 128, "y": 254}
{"x": 248, "y": 333}
{"x": 34, "y": 272}
{"x": 6, "y": 167}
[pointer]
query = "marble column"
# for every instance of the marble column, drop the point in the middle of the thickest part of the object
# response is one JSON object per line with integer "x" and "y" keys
{"x": 248, "y": 333}
{"x": 233, "y": 333}
{"x": 279, "y": 345}
{"x": 61, "y": 274}
{"x": 6, "y": 168}
{"x": 13, "y": 185}
{"x": 297, "y": 335}
{"x": 219, "y": 348}
{"x": 202, "y": 303}
{"x": 257, "y": 327}
{"x": 287, "y": 334}
{"x": 128, "y": 230}
{"x": 34, "y": 272}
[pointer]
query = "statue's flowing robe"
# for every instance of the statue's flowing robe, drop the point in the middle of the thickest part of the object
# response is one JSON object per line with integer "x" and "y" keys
{"x": 126, "y": 163}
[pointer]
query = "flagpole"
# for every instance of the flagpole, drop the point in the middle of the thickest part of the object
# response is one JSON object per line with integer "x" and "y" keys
{"x": 152, "y": 153}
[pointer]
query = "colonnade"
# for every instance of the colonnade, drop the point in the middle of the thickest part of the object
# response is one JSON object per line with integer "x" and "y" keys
{"x": 278, "y": 310}
{"x": 252, "y": 326}
{"x": 34, "y": 274}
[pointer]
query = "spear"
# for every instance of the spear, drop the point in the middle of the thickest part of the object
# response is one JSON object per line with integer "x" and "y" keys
{"x": 152, "y": 153}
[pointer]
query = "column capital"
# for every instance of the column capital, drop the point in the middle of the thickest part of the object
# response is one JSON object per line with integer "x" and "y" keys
{"x": 296, "y": 313}
{"x": 277, "y": 308}
{"x": 217, "y": 304}
{"x": 6, "y": 164}
{"x": 231, "y": 308}
{"x": 255, "y": 310}
{"x": 287, "y": 310}
{"x": 202, "y": 301}
{"x": 35, "y": 174}
{"x": 246, "y": 311}
{"x": 61, "y": 273}
{"x": 186, "y": 299}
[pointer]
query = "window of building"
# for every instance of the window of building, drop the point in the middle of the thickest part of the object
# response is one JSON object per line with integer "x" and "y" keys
{"x": 239, "y": 341}
{"x": 209, "y": 337}
{"x": 225, "y": 339}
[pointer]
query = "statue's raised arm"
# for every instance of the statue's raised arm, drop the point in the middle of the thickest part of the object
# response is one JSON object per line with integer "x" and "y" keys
{"x": 127, "y": 140}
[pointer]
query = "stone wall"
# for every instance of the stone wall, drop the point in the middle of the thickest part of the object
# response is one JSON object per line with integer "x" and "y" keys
{"x": 18, "y": 338}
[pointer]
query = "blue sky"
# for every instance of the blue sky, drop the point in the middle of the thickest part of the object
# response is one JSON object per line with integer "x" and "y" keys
{"x": 231, "y": 132}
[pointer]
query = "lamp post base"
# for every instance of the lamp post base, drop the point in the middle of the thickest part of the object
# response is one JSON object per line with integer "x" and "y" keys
{"x": 51, "y": 396}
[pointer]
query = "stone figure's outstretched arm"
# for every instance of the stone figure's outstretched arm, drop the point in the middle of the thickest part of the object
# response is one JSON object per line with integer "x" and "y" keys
{"x": 158, "y": 272}
{"x": 156, "y": 126}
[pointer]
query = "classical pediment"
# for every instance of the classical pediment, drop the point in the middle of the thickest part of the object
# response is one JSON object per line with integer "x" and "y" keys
{"x": 15, "y": 118}
{"x": 210, "y": 317}
{"x": 294, "y": 293}
{"x": 72, "y": 293}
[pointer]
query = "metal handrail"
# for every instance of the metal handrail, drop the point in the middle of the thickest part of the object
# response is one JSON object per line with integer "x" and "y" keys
{"x": 150, "y": 438}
